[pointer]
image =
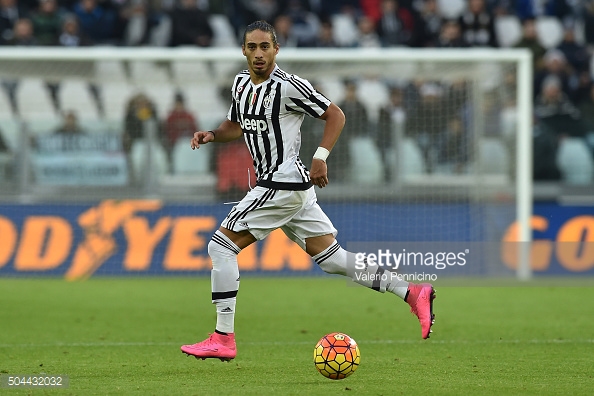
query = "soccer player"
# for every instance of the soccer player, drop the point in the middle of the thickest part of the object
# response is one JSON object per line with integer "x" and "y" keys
{"x": 267, "y": 109}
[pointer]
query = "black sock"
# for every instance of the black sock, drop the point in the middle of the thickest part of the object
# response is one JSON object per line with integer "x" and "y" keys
{"x": 220, "y": 332}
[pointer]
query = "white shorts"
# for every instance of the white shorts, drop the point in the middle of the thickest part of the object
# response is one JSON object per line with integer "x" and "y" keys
{"x": 297, "y": 213}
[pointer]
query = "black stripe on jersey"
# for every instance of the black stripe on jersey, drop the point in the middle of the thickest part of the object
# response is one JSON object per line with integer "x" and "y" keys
{"x": 298, "y": 88}
{"x": 234, "y": 113}
{"x": 254, "y": 205}
{"x": 278, "y": 136}
{"x": 258, "y": 203}
{"x": 233, "y": 218}
{"x": 237, "y": 106}
{"x": 333, "y": 249}
{"x": 301, "y": 163}
{"x": 255, "y": 110}
{"x": 269, "y": 195}
{"x": 305, "y": 107}
{"x": 281, "y": 74}
{"x": 265, "y": 136}
{"x": 315, "y": 100}
{"x": 298, "y": 85}
{"x": 302, "y": 170}
{"x": 301, "y": 87}
{"x": 234, "y": 87}
{"x": 249, "y": 138}
{"x": 224, "y": 243}
{"x": 324, "y": 96}
{"x": 285, "y": 186}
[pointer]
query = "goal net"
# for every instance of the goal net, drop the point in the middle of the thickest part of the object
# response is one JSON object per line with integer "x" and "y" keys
{"x": 434, "y": 158}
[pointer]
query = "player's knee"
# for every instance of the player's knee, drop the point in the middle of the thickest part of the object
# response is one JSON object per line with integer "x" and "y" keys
{"x": 216, "y": 250}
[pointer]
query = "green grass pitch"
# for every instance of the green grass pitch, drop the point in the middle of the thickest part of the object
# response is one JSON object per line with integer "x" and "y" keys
{"x": 122, "y": 336}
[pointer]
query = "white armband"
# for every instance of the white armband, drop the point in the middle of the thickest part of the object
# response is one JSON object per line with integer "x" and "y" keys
{"x": 321, "y": 153}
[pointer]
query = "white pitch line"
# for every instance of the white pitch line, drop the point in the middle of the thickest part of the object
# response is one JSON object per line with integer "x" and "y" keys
{"x": 410, "y": 342}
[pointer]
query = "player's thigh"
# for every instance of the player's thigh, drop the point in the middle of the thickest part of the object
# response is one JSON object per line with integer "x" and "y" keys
{"x": 263, "y": 210}
{"x": 309, "y": 222}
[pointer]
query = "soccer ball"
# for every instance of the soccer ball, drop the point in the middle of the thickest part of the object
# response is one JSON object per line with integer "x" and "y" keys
{"x": 336, "y": 356}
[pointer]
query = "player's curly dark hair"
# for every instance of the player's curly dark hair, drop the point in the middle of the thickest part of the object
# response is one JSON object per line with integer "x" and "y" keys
{"x": 263, "y": 26}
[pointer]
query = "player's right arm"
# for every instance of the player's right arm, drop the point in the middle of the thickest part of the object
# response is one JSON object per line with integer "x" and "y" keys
{"x": 226, "y": 132}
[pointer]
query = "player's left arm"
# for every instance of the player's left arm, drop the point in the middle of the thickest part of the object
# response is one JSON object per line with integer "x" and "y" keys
{"x": 335, "y": 120}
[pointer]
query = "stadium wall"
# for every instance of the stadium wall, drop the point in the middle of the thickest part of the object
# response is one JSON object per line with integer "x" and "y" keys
{"x": 148, "y": 237}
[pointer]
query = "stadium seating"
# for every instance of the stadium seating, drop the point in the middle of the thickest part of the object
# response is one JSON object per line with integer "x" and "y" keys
{"x": 410, "y": 159}
{"x": 161, "y": 34}
{"x": 330, "y": 87}
{"x": 33, "y": 99}
{"x": 224, "y": 35}
{"x": 575, "y": 162}
{"x": 10, "y": 130}
{"x": 162, "y": 96}
{"x": 5, "y": 110}
{"x": 116, "y": 96}
{"x": 550, "y": 31}
{"x": 109, "y": 70}
{"x": 374, "y": 95}
{"x": 509, "y": 123}
{"x": 100, "y": 126}
{"x": 75, "y": 95}
{"x": 139, "y": 160}
{"x": 186, "y": 161}
{"x": 580, "y": 32}
{"x": 204, "y": 100}
{"x": 142, "y": 72}
{"x": 508, "y": 29}
{"x": 450, "y": 9}
{"x": 366, "y": 163}
{"x": 344, "y": 30}
{"x": 43, "y": 126}
{"x": 493, "y": 157}
{"x": 185, "y": 72}
{"x": 5, "y": 162}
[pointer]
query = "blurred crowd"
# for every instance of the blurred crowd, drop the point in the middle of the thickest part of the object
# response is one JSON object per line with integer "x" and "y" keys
{"x": 299, "y": 23}
{"x": 563, "y": 85}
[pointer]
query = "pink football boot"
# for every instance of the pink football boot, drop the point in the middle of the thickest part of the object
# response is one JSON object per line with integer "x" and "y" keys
{"x": 216, "y": 346}
{"x": 420, "y": 298}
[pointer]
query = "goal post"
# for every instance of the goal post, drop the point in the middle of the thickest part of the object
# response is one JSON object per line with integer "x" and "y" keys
{"x": 483, "y": 155}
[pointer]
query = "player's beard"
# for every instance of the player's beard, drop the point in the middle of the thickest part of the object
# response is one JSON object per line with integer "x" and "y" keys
{"x": 260, "y": 71}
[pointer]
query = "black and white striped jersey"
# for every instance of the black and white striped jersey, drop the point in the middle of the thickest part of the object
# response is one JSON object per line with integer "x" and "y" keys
{"x": 270, "y": 115}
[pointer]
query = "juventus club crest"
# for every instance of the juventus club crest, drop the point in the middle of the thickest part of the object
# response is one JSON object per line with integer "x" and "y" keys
{"x": 267, "y": 101}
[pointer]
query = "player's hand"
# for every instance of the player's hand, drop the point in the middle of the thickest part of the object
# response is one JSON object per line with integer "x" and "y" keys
{"x": 319, "y": 173}
{"x": 201, "y": 137}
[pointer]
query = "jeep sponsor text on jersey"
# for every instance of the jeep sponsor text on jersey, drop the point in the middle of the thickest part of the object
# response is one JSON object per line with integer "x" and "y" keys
{"x": 254, "y": 124}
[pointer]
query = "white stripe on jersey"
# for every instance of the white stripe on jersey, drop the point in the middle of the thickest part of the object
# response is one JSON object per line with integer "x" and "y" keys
{"x": 270, "y": 115}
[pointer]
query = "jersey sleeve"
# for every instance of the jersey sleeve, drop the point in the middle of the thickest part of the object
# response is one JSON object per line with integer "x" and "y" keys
{"x": 232, "y": 113}
{"x": 303, "y": 98}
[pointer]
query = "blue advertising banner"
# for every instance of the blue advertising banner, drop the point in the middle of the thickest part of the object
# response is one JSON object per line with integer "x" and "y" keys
{"x": 136, "y": 237}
